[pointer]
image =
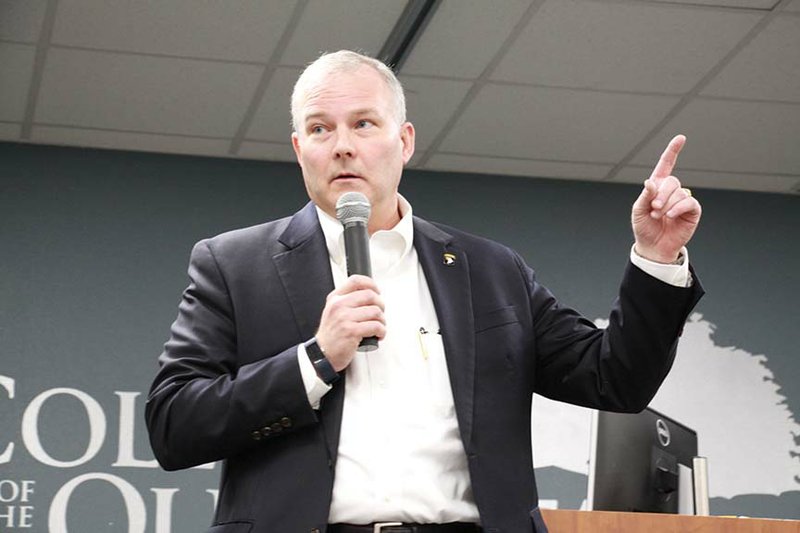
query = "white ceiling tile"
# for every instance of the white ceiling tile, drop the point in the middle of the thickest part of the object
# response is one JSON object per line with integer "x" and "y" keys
{"x": 21, "y": 20}
{"x": 768, "y": 68}
{"x": 645, "y": 47}
{"x": 555, "y": 124}
{"x": 9, "y": 131}
{"x": 463, "y": 36}
{"x": 246, "y": 30}
{"x": 196, "y": 107}
{"x": 413, "y": 162}
{"x": 718, "y": 180}
{"x": 16, "y": 67}
{"x": 747, "y": 4}
{"x": 331, "y": 25}
{"x": 272, "y": 120}
{"x": 516, "y": 167}
{"x": 268, "y": 151}
{"x": 146, "y": 94}
{"x": 430, "y": 104}
{"x": 736, "y": 136}
{"x": 121, "y": 140}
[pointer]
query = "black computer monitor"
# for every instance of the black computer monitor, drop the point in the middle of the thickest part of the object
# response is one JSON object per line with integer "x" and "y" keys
{"x": 640, "y": 463}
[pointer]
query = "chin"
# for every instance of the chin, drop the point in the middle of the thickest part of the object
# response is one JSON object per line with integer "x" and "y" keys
{"x": 350, "y": 185}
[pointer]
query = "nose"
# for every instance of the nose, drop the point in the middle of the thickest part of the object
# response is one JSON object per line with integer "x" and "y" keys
{"x": 344, "y": 147}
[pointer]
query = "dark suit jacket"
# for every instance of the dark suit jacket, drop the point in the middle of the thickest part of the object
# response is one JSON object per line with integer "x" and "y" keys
{"x": 229, "y": 387}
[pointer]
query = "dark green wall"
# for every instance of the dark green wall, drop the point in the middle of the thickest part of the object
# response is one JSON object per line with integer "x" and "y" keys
{"x": 95, "y": 247}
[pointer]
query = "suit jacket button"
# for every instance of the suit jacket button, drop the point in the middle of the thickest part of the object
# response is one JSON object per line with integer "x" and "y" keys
{"x": 286, "y": 422}
{"x": 276, "y": 427}
{"x": 266, "y": 431}
{"x": 256, "y": 435}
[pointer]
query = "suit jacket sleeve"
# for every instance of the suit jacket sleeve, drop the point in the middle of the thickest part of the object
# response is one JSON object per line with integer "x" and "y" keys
{"x": 207, "y": 404}
{"x": 619, "y": 368}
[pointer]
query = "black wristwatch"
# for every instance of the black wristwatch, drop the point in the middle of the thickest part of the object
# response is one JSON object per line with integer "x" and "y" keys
{"x": 321, "y": 364}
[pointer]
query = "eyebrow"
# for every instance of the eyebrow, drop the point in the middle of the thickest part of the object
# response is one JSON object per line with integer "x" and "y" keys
{"x": 357, "y": 113}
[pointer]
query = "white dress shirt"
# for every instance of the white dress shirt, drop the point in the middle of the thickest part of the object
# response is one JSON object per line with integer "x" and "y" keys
{"x": 400, "y": 456}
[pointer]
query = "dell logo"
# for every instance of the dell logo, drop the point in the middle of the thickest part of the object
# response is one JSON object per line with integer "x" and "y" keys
{"x": 663, "y": 432}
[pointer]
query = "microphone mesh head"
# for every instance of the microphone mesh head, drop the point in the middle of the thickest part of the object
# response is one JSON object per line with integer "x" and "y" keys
{"x": 353, "y": 207}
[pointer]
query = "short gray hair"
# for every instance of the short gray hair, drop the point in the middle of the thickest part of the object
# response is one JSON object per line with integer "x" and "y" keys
{"x": 345, "y": 61}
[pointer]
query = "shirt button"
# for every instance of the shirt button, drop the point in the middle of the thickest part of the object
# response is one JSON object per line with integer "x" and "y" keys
{"x": 276, "y": 427}
{"x": 286, "y": 422}
{"x": 256, "y": 435}
{"x": 266, "y": 431}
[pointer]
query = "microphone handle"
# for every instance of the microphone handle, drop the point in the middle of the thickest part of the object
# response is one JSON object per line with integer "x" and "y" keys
{"x": 356, "y": 248}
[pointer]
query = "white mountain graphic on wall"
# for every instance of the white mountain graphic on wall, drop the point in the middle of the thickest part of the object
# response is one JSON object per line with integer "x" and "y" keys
{"x": 728, "y": 395}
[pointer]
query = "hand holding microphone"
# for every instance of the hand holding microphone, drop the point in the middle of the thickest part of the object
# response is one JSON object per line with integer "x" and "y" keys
{"x": 353, "y": 210}
{"x": 353, "y": 315}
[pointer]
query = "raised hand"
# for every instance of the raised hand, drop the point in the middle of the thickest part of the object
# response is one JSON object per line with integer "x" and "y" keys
{"x": 352, "y": 312}
{"x": 665, "y": 215}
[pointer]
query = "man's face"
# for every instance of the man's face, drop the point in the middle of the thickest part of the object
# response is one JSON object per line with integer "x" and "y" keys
{"x": 348, "y": 139}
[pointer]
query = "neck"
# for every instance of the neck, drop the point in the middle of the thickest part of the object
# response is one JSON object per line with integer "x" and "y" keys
{"x": 384, "y": 218}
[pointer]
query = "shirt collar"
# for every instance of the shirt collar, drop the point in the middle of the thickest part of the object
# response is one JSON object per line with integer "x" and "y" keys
{"x": 402, "y": 233}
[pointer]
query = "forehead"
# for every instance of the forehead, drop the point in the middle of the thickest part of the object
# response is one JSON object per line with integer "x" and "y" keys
{"x": 358, "y": 89}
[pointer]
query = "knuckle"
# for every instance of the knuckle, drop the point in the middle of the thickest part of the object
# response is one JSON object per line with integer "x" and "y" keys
{"x": 350, "y": 330}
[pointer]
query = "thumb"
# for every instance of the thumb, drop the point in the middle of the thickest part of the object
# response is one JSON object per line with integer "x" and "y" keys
{"x": 642, "y": 203}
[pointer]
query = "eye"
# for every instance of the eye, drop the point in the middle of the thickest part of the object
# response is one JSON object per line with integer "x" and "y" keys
{"x": 364, "y": 123}
{"x": 316, "y": 129}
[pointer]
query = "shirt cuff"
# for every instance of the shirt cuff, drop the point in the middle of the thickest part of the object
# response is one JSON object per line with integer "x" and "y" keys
{"x": 315, "y": 387}
{"x": 677, "y": 274}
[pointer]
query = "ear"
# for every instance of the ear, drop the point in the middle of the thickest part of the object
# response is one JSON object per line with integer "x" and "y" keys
{"x": 407, "y": 137}
{"x": 296, "y": 146}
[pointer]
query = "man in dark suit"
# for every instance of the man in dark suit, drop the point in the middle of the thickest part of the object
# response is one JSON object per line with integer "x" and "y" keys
{"x": 431, "y": 432}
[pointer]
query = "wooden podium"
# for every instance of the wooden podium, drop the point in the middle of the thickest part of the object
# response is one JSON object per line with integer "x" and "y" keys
{"x": 566, "y": 521}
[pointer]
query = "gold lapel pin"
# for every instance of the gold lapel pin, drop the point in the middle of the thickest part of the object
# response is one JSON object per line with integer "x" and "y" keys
{"x": 449, "y": 259}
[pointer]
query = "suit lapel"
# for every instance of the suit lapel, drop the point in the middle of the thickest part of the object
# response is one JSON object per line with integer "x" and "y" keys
{"x": 305, "y": 272}
{"x": 447, "y": 272}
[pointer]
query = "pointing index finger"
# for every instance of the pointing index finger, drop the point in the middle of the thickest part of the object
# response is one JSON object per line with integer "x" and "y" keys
{"x": 668, "y": 159}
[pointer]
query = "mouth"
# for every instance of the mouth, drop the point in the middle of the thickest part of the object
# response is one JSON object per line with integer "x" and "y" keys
{"x": 346, "y": 176}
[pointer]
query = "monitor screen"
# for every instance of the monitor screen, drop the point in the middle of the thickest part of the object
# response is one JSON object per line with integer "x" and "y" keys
{"x": 640, "y": 462}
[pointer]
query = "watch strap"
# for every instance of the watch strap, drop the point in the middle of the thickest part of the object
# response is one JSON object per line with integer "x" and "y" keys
{"x": 322, "y": 366}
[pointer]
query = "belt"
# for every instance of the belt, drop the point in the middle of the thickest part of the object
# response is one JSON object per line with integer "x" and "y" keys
{"x": 398, "y": 527}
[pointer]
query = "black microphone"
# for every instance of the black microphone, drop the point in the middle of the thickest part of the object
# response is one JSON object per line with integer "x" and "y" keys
{"x": 352, "y": 210}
